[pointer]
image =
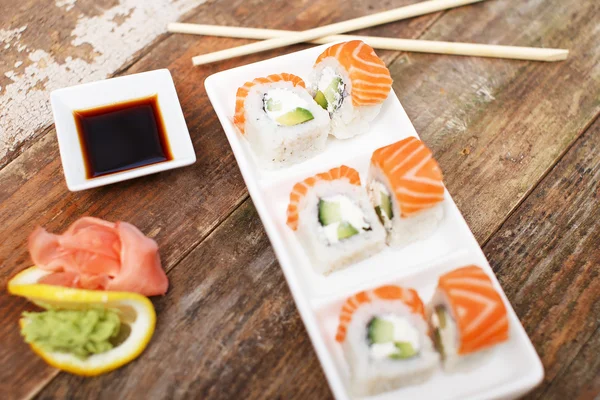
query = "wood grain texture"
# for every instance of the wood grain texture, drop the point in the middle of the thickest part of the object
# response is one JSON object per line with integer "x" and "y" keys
{"x": 227, "y": 329}
{"x": 77, "y": 41}
{"x": 230, "y": 296}
{"x": 581, "y": 378}
{"x": 547, "y": 258}
{"x": 177, "y": 208}
{"x": 70, "y": 42}
{"x": 498, "y": 126}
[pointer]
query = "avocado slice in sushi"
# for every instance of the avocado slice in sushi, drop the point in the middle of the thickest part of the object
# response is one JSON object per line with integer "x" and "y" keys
{"x": 333, "y": 89}
{"x": 440, "y": 312}
{"x": 329, "y": 212}
{"x": 437, "y": 341}
{"x": 345, "y": 230}
{"x": 329, "y": 95}
{"x": 380, "y": 331}
{"x": 386, "y": 205}
{"x": 384, "y": 208}
{"x": 295, "y": 117}
{"x": 405, "y": 350}
{"x": 273, "y": 105}
{"x": 321, "y": 100}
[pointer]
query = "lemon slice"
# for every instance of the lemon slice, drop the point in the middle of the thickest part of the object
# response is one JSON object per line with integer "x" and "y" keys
{"x": 28, "y": 276}
{"x": 135, "y": 311}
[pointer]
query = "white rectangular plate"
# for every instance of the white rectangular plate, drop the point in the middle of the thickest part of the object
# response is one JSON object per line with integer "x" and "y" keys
{"x": 509, "y": 370}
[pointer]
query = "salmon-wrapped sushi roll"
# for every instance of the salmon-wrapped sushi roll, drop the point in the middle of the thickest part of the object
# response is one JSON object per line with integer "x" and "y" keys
{"x": 405, "y": 186}
{"x": 385, "y": 339}
{"x": 281, "y": 121}
{"x": 331, "y": 214}
{"x": 467, "y": 315}
{"x": 351, "y": 83}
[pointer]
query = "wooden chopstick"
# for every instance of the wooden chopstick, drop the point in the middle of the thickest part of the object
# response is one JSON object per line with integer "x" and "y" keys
{"x": 410, "y": 11}
{"x": 421, "y": 46}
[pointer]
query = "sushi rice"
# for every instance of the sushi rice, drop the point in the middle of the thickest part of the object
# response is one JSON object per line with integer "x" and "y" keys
{"x": 328, "y": 255}
{"x": 453, "y": 362}
{"x": 467, "y": 317}
{"x": 334, "y": 220}
{"x": 277, "y": 142}
{"x": 402, "y": 231}
{"x": 347, "y": 120}
{"x": 379, "y": 323}
{"x": 351, "y": 82}
{"x": 406, "y": 188}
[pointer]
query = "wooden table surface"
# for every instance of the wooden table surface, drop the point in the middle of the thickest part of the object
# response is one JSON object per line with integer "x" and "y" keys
{"x": 519, "y": 143}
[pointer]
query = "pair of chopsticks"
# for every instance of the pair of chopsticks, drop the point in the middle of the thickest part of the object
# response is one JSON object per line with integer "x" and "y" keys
{"x": 330, "y": 33}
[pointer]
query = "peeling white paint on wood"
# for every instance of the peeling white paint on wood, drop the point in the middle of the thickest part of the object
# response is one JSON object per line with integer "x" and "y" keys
{"x": 67, "y": 4}
{"x": 115, "y": 36}
{"x": 8, "y": 35}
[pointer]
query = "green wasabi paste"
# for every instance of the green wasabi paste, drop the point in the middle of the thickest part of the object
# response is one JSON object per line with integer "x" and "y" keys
{"x": 79, "y": 332}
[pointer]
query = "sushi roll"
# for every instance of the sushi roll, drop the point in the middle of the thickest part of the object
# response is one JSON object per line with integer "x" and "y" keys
{"x": 405, "y": 186}
{"x": 334, "y": 220}
{"x": 385, "y": 340}
{"x": 351, "y": 83}
{"x": 281, "y": 121}
{"x": 467, "y": 315}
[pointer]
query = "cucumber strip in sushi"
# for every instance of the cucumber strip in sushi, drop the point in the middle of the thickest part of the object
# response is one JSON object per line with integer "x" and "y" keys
{"x": 281, "y": 121}
{"x": 351, "y": 83}
{"x": 385, "y": 340}
{"x": 467, "y": 315}
{"x": 406, "y": 189}
{"x": 333, "y": 218}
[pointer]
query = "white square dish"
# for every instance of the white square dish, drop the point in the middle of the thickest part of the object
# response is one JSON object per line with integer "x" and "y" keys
{"x": 510, "y": 369}
{"x": 110, "y": 91}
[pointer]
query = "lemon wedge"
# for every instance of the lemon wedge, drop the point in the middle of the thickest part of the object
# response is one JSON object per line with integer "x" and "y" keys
{"x": 28, "y": 276}
{"x": 135, "y": 311}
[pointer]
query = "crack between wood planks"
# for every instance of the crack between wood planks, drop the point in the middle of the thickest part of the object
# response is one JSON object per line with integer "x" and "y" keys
{"x": 550, "y": 168}
{"x": 22, "y": 147}
{"x": 209, "y": 233}
{"x": 566, "y": 369}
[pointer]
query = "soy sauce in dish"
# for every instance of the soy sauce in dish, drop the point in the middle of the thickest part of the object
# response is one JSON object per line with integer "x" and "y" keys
{"x": 122, "y": 136}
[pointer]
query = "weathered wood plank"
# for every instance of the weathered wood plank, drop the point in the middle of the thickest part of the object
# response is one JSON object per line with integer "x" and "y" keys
{"x": 70, "y": 42}
{"x": 76, "y": 41}
{"x": 178, "y": 208}
{"x": 229, "y": 304}
{"x": 227, "y": 329}
{"x": 415, "y": 85}
{"x": 581, "y": 377}
{"x": 547, "y": 259}
{"x": 40, "y": 165}
{"x": 497, "y": 126}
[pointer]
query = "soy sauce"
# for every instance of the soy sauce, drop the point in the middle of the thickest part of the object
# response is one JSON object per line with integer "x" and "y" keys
{"x": 122, "y": 136}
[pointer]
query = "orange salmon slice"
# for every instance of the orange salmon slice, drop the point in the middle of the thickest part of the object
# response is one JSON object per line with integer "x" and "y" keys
{"x": 414, "y": 175}
{"x": 479, "y": 310}
{"x": 370, "y": 78}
